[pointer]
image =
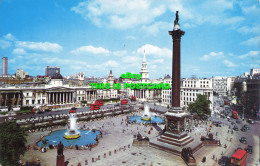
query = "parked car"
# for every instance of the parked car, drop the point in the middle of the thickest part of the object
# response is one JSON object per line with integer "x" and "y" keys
{"x": 235, "y": 128}
{"x": 249, "y": 149}
{"x": 246, "y": 126}
{"x": 243, "y": 129}
{"x": 243, "y": 140}
{"x": 73, "y": 108}
{"x": 72, "y": 111}
{"x": 11, "y": 118}
{"x": 232, "y": 122}
{"x": 238, "y": 121}
{"x": 224, "y": 160}
{"x": 48, "y": 110}
{"x": 251, "y": 121}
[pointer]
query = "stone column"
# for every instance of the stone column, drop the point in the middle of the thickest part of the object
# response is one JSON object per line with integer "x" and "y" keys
{"x": 53, "y": 100}
{"x": 60, "y": 98}
{"x": 63, "y": 95}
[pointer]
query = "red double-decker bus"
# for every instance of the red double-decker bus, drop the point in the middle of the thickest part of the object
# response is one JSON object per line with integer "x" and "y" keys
{"x": 99, "y": 102}
{"x": 133, "y": 98}
{"x": 124, "y": 101}
{"x": 239, "y": 158}
{"x": 226, "y": 102}
{"x": 94, "y": 107}
{"x": 234, "y": 114}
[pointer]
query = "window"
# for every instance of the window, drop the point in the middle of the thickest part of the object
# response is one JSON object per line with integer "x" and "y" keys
{"x": 27, "y": 94}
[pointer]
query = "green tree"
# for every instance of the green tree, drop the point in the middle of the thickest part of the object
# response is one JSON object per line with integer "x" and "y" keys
{"x": 12, "y": 143}
{"x": 200, "y": 105}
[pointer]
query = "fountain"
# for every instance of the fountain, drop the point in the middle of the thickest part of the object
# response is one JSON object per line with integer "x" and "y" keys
{"x": 146, "y": 116}
{"x": 72, "y": 132}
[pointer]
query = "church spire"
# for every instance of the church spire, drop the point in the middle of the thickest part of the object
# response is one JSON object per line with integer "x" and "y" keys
{"x": 144, "y": 60}
{"x": 144, "y": 70}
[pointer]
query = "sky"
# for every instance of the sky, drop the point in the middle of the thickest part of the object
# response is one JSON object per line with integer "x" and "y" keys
{"x": 222, "y": 37}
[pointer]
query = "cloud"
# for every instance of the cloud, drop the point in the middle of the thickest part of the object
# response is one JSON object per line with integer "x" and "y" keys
{"x": 5, "y": 44}
{"x": 156, "y": 27}
{"x": 109, "y": 63}
{"x": 250, "y": 54}
{"x": 9, "y": 37}
{"x": 252, "y": 41}
{"x": 119, "y": 14}
{"x": 19, "y": 51}
{"x": 247, "y": 29}
{"x": 154, "y": 50}
{"x": 250, "y": 9}
{"x": 90, "y": 49}
{"x": 229, "y": 63}
{"x": 39, "y": 46}
{"x": 211, "y": 55}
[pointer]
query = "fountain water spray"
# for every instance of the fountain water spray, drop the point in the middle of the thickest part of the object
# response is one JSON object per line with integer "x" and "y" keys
{"x": 72, "y": 132}
{"x": 146, "y": 115}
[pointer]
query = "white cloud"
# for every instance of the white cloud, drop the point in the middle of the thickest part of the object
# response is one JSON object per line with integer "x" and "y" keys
{"x": 109, "y": 63}
{"x": 246, "y": 29}
{"x": 119, "y": 14}
{"x": 250, "y": 9}
{"x": 252, "y": 41}
{"x": 90, "y": 49}
{"x": 229, "y": 63}
{"x": 131, "y": 59}
{"x": 234, "y": 20}
{"x": 5, "y": 44}
{"x": 154, "y": 50}
{"x": 156, "y": 27}
{"x": 9, "y": 37}
{"x": 39, "y": 46}
{"x": 19, "y": 51}
{"x": 250, "y": 54}
{"x": 212, "y": 54}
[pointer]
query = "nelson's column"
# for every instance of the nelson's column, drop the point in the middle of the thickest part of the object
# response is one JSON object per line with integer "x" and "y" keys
{"x": 174, "y": 139}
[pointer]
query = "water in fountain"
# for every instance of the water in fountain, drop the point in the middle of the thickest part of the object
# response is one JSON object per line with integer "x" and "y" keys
{"x": 72, "y": 132}
{"x": 146, "y": 115}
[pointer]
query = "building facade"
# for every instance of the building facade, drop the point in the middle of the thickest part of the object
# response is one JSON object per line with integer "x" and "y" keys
{"x": 51, "y": 70}
{"x": 190, "y": 88}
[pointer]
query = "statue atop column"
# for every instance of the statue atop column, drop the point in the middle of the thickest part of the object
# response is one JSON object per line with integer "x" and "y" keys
{"x": 60, "y": 149}
{"x": 176, "y": 21}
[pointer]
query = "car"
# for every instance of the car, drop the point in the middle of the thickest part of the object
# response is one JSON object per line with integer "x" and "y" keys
{"x": 11, "y": 118}
{"x": 238, "y": 121}
{"x": 232, "y": 122}
{"x": 47, "y": 110}
{"x": 72, "y": 111}
{"x": 249, "y": 149}
{"x": 243, "y": 140}
{"x": 223, "y": 161}
{"x": 251, "y": 121}
{"x": 246, "y": 126}
{"x": 117, "y": 104}
{"x": 243, "y": 129}
{"x": 73, "y": 108}
{"x": 235, "y": 128}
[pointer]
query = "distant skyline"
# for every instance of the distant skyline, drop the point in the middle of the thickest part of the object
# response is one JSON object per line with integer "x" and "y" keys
{"x": 222, "y": 37}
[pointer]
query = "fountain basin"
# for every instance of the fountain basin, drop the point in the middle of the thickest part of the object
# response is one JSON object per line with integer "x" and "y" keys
{"x": 71, "y": 136}
{"x": 146, "y": 117}
{"x": 87, "y": 137}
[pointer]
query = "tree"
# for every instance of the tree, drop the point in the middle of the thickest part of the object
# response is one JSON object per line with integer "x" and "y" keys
{"x": 12, "y": 143}
{"x": 200, "y": 105}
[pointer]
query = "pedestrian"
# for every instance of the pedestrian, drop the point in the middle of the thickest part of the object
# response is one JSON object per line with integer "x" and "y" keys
{"x": 213, "y": 156}
{"x": 228, "y": 131}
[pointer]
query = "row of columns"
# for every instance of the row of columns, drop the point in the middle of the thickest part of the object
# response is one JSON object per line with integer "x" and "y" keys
{"x": 10, "y": 98}
{"x": 141, "y": 94}
{"x": 60, "y": 97}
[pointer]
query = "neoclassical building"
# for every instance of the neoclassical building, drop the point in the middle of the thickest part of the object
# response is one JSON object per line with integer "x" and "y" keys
{"x": 52, "y": 93}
